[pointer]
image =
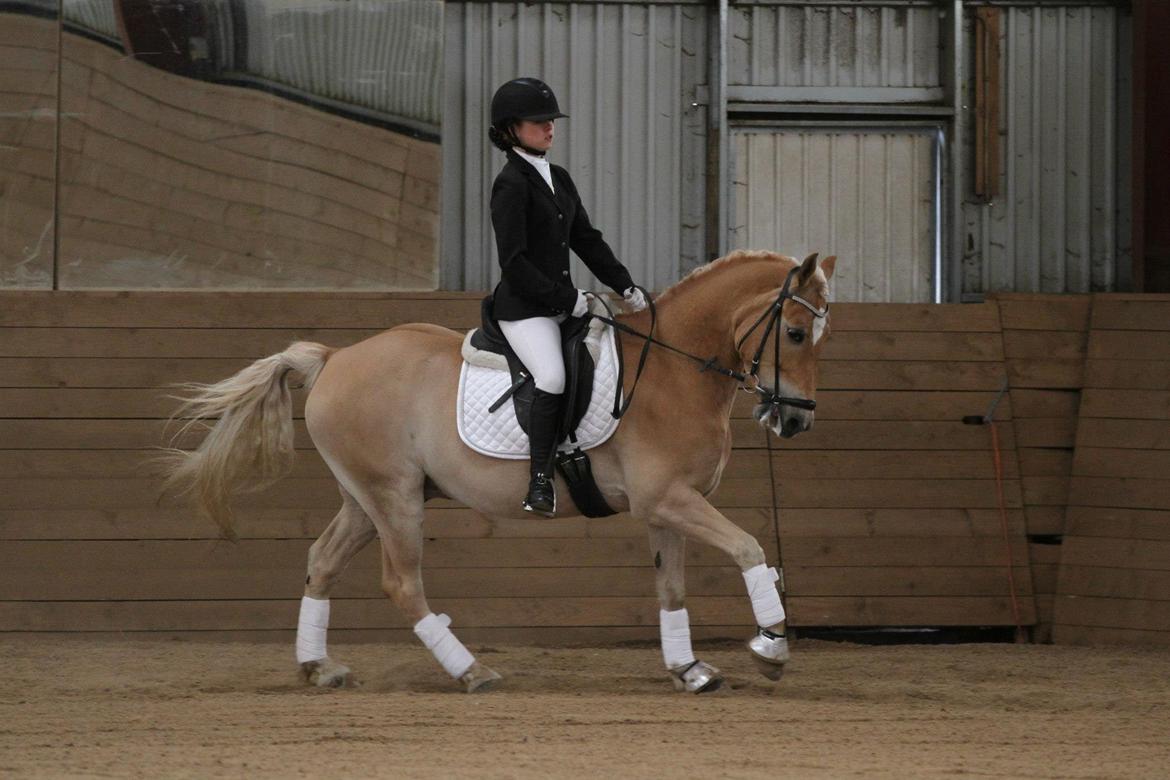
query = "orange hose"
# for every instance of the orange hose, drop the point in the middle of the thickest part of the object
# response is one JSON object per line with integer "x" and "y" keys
{"x": 1007, "y": 544}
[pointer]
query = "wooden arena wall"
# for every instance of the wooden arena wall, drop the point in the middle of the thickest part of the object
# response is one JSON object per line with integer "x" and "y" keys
{"x": 1114, "y": 582}
{"x": 885, "y": 514}
{"x": 170, "y": 182}
{"x": 1044, "y": 340}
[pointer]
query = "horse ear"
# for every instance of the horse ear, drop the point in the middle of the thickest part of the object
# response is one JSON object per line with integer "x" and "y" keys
{"x": 828, "y": 265}
{"x": 808, "y": 267}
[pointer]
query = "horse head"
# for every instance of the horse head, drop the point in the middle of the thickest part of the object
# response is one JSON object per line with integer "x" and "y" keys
{"x": 796, "y": 333}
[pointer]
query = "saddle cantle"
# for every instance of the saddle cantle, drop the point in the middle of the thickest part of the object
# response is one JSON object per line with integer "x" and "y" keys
{"x": 492, "y": 375}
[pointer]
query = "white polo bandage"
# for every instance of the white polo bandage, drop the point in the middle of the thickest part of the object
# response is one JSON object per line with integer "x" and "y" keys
{"x": 434, "y": 632}
{"x": 760, "y": 581}
{"x": 311, "y": 628}
{"x": 676, "y": 638}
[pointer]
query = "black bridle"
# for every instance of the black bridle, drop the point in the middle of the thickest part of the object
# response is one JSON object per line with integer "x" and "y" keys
{"x": 772, "y": 314}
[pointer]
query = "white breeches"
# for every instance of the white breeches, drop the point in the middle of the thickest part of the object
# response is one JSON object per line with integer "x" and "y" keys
{"x": 537, "y": 342}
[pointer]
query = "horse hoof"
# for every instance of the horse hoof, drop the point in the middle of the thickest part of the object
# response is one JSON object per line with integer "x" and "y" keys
{"x": 325, "y": 673}
{"x": 479, "y": 678}
{"x": 698, "y": 677}
{"x": 770, "y": 652}
{"x": 773, "y": 671}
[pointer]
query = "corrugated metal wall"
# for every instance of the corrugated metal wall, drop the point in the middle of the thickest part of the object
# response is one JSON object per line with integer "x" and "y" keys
{"x": 95, "y": 15}
{"x": 634, "y": 144}
{"x": 867, "y": 196}
{"x": 386, "y": 56}
{"x": 1055, "y": 228}
{"x": 833, "y": 46}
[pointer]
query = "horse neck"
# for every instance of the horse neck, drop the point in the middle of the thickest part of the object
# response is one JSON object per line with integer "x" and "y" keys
{"x": 702, "y": 315}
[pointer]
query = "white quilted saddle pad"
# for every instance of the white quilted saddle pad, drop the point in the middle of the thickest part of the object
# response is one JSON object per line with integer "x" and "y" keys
{"x": 498, "y": 433}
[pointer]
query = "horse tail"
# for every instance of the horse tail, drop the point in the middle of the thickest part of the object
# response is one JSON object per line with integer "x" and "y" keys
{"x": 250, "y": 446}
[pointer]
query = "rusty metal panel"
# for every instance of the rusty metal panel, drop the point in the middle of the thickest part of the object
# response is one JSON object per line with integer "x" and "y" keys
{"x": 834, "y": 46}
{"x": 869, "y": 196}
{"x": 1055, "y": 227}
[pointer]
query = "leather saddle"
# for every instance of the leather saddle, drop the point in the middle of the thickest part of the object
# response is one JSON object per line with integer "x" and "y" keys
{"x": 580, "y": 336}
{"x": 579, "y": 367}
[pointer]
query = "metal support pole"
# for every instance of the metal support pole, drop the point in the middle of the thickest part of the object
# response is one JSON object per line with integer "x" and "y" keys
{"x": 948, "y": 283}
{"x": 720, "y": 105}
{"x": 718, "y": 175}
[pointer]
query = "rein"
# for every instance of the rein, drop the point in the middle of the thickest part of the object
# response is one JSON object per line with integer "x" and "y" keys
{"x": 767, "y": 395}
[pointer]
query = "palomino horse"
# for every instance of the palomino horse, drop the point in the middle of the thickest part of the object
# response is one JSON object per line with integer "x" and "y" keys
{"x": 382, "y": 415}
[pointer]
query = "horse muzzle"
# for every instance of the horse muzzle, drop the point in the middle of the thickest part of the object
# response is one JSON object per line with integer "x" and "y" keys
{"x": 784, "y": 421}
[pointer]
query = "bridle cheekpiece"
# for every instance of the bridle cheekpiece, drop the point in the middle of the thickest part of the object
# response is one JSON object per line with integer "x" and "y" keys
{"x": 769, "y": 395}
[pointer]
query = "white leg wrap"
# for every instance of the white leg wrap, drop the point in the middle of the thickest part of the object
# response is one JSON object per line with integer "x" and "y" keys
{"x": 762, "y": 591}
{"x": 434, "y": 632}
{"x": 311, "y": 628}
{"x": 676, "y": 638}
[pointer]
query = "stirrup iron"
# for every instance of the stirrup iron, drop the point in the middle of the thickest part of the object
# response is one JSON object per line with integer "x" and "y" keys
{"x": 530, "y": 500}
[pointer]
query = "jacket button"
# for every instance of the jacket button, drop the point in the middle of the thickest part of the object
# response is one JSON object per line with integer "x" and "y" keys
{"x": 562, "y": 243}
{"x": 564, "y": 273}
{"x": 560, "y": 216}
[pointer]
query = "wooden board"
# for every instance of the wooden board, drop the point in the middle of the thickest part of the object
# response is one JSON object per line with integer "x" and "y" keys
{"x": 1027, "y": 311}
{"x": 1118, "y": 523}
{"x": 1044, "y": 344}
{"x": 734, "y": 612}
{"x": 290, "y": 555}
{"x": 932, "y": 523}
{"x": 289, "y": 310}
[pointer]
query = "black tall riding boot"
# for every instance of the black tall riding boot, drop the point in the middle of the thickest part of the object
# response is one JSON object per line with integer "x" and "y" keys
{"x": 542, "y": 436}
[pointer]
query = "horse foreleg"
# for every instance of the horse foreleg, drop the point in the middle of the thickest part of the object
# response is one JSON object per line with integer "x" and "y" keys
{"x": 684, "y": 510}
{"x": 400, "y": 528}
{"x": 687, "y": 673}
{"x": 350, "y": 531}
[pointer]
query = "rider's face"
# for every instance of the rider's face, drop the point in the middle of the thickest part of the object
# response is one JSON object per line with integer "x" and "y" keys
{"x": 535, "y": 135}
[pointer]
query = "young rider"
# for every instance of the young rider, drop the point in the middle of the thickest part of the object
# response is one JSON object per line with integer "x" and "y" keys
{"x": 538, "y": 217}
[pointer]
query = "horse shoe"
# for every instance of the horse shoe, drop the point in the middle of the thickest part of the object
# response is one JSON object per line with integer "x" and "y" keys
{"x": 770, "y": 652}
{"x": 697, "y": 677}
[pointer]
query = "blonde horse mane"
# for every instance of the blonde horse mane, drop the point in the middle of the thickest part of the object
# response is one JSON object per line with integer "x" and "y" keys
{"x": 732, "y": 259}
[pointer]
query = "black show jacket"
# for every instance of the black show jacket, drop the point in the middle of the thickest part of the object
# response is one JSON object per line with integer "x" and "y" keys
{"x": 535, "y": 229}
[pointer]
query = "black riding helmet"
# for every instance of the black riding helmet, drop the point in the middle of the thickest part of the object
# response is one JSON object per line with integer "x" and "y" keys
{"x": 524, "y": 98}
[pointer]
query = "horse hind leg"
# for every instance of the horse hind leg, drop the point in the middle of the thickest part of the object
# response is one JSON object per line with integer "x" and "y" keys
{"x": 349, "y": 532}
{"x": 686, "y": 672}
{"x": 399, "y": 519}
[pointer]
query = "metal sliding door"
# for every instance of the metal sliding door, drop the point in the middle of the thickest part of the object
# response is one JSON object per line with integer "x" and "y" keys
{"x": 871, "y": 195}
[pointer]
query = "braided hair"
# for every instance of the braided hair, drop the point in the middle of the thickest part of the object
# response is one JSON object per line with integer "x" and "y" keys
{"x": 502, "y": 136}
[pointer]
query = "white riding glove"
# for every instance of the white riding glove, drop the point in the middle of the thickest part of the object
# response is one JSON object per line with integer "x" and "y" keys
{"x": 582, "y": 305}
{"x": 634, "y": 299}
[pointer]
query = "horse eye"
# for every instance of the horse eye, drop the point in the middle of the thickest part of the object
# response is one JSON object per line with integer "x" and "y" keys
{"x": 796, "y": 335}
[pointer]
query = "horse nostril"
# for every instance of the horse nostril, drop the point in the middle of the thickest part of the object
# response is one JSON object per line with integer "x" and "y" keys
{"x": 791, "y": 425}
